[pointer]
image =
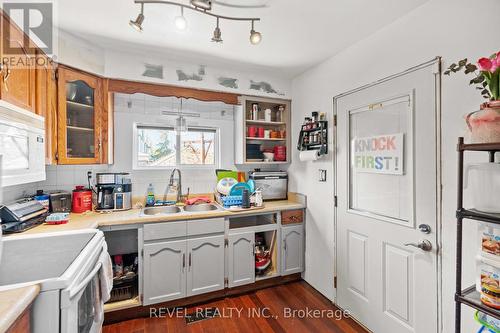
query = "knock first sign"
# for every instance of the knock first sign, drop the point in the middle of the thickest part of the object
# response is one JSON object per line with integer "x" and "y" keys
{"x": 379, "y": 154}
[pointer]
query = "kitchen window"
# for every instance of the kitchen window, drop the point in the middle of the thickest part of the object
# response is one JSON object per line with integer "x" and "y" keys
{"x": 158, "y": 147}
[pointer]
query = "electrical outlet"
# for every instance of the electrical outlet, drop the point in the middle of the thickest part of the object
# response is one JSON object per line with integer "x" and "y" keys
{"x": 322, "y": 175}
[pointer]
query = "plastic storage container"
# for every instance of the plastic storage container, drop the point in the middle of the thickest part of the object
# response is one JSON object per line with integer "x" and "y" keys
{"x": 489, "y": 240}
{"x": 484, "y": 180}
{"x": 488, "y": 281}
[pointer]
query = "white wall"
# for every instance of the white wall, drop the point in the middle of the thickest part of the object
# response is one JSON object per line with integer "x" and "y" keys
{"x": 453, "y": 29}
{"x": 129, "y": 64}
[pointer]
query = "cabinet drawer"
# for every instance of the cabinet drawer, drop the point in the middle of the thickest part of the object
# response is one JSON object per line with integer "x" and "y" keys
{"x": 164, "y": 230}
{"x": 209, "y": 226}
{"x": 292, "y": 216}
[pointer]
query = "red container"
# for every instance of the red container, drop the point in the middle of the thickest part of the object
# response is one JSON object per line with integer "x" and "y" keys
{"x": 82, "y": 200}
{"x": 280, "y": 153}
{"x": 252, "y": 131}
{"x": 261, "y": 132}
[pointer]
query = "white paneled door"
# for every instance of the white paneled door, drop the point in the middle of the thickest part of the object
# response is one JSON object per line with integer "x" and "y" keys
{"x": 387, "y": 180}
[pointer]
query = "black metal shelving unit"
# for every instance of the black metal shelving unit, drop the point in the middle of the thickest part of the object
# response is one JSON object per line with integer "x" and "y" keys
{"x": 470, "y": 296}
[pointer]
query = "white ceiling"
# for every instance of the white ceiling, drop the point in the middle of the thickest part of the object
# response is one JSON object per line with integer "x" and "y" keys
{"x": 296, "y": 34}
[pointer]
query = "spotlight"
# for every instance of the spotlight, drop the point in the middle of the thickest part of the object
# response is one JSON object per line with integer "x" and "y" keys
{"x": 255, "y": 36}
{"x": 137, "y": 24}
{"x": 180, "y": 21}
{"x": 217, "y": 34}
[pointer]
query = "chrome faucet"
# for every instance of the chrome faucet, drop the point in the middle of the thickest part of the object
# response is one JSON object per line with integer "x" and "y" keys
{"x": 179, "y": 184}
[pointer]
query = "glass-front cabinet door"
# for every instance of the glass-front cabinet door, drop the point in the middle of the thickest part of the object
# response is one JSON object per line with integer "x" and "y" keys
{"x": 80, "y": 117}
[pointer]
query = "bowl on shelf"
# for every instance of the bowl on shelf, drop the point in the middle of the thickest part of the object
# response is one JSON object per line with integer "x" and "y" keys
{"x": 268, "y": 156}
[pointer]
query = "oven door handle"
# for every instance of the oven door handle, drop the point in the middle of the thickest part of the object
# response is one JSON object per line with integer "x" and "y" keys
{"x": 74, "y": 291}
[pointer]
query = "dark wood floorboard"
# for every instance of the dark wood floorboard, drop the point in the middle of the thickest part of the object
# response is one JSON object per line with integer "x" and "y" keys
{"x": 271, "y": 303}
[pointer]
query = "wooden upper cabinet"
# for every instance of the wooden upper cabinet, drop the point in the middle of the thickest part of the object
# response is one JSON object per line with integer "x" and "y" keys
{"x": 17, "y": 79}
{"x": 82, "y": 118}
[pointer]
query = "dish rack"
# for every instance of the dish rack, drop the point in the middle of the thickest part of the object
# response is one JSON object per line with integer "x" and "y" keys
{"x": 470, "y": 296}
{"x": 227, "y": 201}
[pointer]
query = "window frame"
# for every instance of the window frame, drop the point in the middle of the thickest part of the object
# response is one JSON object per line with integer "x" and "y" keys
{"x": 178, "y": 164}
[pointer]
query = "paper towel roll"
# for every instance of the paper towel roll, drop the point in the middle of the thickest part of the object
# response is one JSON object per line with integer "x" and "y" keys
{"x": 309, "y": 155}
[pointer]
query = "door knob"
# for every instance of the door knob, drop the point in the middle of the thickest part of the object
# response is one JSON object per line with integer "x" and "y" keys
{"x": 424, "y": 245}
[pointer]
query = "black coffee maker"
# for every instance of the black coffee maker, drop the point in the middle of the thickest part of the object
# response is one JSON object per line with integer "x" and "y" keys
{"x": 114, "y": 191}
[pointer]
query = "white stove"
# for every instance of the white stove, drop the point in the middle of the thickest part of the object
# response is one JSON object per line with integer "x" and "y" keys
{"x": 66, "y": 266}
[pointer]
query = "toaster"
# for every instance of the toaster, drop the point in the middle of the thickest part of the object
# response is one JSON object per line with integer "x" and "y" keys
{"x": 60, "y": 201}
{"x": 274, "y": 184}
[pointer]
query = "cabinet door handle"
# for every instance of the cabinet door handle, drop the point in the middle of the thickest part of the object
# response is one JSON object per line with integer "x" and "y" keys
{"x": 284, "y": 244}
{"x": 183, "y": 261}
{"x": 190, "y": 259}
{"x": 253, "y": 249}
{"x": 6, "y": 74}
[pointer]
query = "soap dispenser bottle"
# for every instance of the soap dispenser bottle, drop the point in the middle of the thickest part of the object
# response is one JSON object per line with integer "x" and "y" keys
{"x": 150, "y": 197}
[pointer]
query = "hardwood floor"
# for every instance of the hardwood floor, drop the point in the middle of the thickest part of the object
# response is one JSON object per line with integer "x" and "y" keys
{"x": 292, "y": 307}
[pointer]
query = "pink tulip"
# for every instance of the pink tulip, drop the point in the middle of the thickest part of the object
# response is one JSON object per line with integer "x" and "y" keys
{"x": 495, "y": 64}
{"x": 485, "y": 64}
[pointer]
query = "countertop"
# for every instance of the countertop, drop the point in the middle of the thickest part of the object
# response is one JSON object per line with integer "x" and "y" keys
{"x": 13, "y": 302}
{"x": 133, "y": 216}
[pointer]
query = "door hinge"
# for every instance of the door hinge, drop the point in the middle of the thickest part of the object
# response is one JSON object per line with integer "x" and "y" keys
{"x": 335, "y": 201}
{"x": 57, "y": 156}
{"x": 335, "y": 282}
{"x": 226, "y": 282}
{"x": 335, "y": 120}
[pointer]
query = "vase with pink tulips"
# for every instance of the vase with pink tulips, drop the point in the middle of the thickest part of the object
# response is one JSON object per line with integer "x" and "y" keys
{"x": 484, "y": 125}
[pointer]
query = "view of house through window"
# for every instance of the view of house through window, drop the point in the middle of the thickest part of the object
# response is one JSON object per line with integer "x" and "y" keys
{"x": 161, "y": 147}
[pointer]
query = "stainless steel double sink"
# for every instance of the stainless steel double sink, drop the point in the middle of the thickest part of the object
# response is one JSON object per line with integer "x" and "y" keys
{"x": 167, "y": 210}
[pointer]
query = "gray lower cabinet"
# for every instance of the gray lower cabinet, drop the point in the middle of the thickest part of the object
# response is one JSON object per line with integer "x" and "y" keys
{"x": 205, "y": 269}
{"x": 292, "y": 249}
{"x": 164, "y": 272}
{"x": 241, "y": 260}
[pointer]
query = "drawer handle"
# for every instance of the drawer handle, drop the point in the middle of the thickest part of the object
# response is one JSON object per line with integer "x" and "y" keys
{"x": 183, "y": 261}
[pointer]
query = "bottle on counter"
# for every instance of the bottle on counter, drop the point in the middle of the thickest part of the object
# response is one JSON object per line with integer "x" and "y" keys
{"x": 150, "y": 196}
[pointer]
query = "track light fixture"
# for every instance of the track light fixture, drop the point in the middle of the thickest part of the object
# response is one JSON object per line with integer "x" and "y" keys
{"x": 137, "y": 23}
{"x": 255, "y": 36}
{"x": 217, "y": 34}
{"x": 180, "y": 21}
{"x": 201, "y": 7}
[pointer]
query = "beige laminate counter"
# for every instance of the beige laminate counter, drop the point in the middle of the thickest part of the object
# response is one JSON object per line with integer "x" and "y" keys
{"x": 14, "y": 302}
{"x": 94, "y": 219}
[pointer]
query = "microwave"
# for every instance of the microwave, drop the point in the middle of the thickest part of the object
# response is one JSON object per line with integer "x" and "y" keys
{"x": 22, "y": 145}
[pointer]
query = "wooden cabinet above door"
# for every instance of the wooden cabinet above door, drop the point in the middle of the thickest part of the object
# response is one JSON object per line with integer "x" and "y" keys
{"x": 82, "y": 118}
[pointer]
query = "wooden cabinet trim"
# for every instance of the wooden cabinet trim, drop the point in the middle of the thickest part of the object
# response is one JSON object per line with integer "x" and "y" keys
{"x": 162, "y": 90}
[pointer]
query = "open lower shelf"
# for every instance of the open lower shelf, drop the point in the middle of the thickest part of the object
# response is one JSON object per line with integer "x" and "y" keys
{"x": 470, "y": 297}
{"x": 479, "y": 216}
{"x": 120, "y": 305}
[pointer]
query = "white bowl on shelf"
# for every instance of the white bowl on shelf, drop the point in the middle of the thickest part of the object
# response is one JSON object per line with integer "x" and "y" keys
{"x": 268, "y": 156}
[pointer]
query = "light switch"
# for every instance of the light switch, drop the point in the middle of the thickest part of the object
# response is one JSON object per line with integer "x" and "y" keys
{"x": 322, "y": 175}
